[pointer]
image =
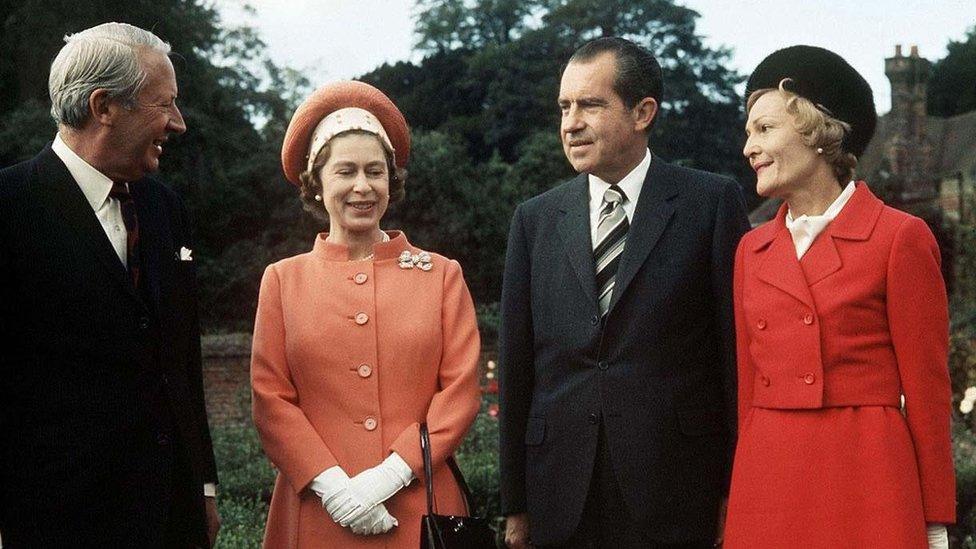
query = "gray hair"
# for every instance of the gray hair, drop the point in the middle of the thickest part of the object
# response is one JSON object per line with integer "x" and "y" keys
{"x": 102, "y": 57}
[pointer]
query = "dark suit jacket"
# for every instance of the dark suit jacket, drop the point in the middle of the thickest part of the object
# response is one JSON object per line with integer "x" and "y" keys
{"x": 659, "y": 375}
{"x": 99, "y": 381}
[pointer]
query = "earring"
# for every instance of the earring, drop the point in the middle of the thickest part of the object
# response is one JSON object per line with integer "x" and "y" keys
{"x": 318, "y": 198}
{"x": 819, "y": 150}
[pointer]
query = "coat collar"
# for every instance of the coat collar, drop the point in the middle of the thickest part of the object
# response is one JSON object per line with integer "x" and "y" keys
{"x": 855, "y": 222}
{"x": 779, "y": 266}
{"x": 331, "y": 251}
{"x": 65, "y": 202}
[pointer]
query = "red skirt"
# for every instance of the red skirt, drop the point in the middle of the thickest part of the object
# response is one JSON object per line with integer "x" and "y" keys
{"x": 832, "y": 478}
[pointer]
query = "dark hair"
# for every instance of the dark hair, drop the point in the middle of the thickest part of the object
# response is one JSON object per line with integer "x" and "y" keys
{"x": 638, "y": 74}
{"x": 311, "y": 185}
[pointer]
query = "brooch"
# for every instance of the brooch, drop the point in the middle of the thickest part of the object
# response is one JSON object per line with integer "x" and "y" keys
{"x": 409, "y": 261}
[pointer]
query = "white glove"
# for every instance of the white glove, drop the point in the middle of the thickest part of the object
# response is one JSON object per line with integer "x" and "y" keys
{"x": 378, "y": 484}
{"x": 377, "y": 521}
{"x": 938, "y": 537}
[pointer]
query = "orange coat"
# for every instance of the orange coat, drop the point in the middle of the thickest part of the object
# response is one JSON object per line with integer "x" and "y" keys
{"x": 826, "y": 347}
{"x": 349, "y": 358}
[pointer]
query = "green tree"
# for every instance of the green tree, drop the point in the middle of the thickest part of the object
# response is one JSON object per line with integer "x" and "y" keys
{"x": 952, "y": 87}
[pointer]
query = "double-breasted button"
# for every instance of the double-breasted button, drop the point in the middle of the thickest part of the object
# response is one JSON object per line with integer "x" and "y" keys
{"x": 360, "y": 278}
{"x": 764, "y": 380}
{"x": 593, "y": 419}
{"x": 761, "y": 324}
{"x": 808, "y": 319}
{"x": 603, "y": 365}
{"x": 809, "y": 379}
{"x": 369, "y": 423}
{"x": 362, "y": 318}
{"x": 364, "y": 370}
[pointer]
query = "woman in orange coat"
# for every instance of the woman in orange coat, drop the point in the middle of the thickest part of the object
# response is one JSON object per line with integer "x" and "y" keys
{"x": 358, "y": 342}
{"x": 840, "y": 313}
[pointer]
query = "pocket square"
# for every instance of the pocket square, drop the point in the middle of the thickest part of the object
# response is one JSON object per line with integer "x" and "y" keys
{"x": 186, "y": 254}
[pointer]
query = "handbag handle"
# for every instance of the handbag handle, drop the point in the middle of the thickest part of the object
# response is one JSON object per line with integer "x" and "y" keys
{"x": 429, "y": 473}
{"x": 428, "y": 469}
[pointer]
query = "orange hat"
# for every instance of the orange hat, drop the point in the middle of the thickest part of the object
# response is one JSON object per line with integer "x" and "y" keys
{"x": 333, "y": 97}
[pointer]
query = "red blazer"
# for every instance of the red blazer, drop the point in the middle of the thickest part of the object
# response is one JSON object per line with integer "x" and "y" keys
{"x": 860, "y": 321}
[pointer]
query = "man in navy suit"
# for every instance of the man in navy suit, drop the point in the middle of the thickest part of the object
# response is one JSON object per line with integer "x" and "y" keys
{"x": 103, "y": 431}
{"x": 617, "y": 374}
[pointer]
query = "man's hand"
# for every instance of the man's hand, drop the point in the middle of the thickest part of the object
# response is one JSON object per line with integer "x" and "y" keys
{"x": 517, "y": 531}
{"x": 723, "y": 508}
{"x": 213, "y": 519}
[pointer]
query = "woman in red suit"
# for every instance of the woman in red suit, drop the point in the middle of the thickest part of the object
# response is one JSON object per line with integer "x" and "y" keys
{"x": 842, "y": 329}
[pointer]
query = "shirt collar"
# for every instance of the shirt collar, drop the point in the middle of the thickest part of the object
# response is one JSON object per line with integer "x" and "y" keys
{"x": 631, "y": 183}
{"x": 94, "y": 184}
{"x": 831, "y": 212}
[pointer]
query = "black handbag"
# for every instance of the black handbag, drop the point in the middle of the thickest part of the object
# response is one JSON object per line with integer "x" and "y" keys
{"x": 450, "y": 531}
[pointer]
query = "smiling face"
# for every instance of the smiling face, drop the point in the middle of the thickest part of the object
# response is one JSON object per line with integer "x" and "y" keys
{"x": 139, "y": 131}
{"x": 775, "y": 149}
{"x": 355, "y": 184}
{"x": 600, "y": 134}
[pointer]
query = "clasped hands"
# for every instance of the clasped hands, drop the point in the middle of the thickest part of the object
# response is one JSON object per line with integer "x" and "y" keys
{"x": 357, "y": 503}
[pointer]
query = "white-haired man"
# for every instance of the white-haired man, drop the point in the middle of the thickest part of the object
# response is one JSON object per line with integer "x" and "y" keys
{"x": 103, "y": 432}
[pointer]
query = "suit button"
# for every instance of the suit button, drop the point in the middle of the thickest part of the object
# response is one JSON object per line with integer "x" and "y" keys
{"x": 360, "y": 278}
{"x": 603, "y": 365}
{"x": 365, "y": 370}
{"x": 764, "y": 380}
{"x": 594, "y": 320}
{"x": 808, "y": 319}
{"x": 362, "y": 318}
{"x": 162, "y": 439}
{"x": 809, "y": 379}
{"x": 143, "y": 323}
{"x": 369, "y": 423}
{"x": 761, "y": 324}
{"x": 593, "y": 419}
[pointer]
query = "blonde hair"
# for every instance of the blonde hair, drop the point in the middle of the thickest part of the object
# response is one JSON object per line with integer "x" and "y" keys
{"x": 817, "y": 129}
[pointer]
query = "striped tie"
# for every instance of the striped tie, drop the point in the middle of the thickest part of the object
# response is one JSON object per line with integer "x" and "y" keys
{"x": 611, "y": 234}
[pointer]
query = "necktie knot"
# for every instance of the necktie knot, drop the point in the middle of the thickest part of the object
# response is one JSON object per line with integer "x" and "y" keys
{"x": 614, "y": 195}
{"x": 120, "y": 191}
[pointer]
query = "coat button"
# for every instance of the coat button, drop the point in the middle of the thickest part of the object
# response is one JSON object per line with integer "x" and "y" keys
{"x": 809, "y": 379}
{"x": 360, "y": 278}
{"x": 362, "y": 318}
{"x": 369, "y": 423}
{"x": 593, "y": 419}
{"x": 761, "y": 324}
{"x": 144, "y": 322}
{"x": 594, "y": 320}
{"x": 162, "y": 439}
{"x": 364, "y": 370}
{"x": 764, "y": 380}
{"x": 808, "y": 319}
{"x": 603, "y": 365}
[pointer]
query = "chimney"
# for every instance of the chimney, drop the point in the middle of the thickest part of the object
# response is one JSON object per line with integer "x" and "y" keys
{"x": 908, "y": 149}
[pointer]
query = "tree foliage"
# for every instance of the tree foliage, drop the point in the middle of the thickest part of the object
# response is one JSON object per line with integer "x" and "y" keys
{"x": 952, "y": 87}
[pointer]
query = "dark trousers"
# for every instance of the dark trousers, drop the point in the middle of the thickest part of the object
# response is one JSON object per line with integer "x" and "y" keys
{"x": 606, "y": 523}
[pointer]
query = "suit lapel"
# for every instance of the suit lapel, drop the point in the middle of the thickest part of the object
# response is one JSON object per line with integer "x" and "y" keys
{"x": 654, "y": 210}
{"x": 149, "y": 234}
{"x": 822, "y": 259}
{"x": 781, "y": 269}
{"x": 574, "y": 230}
{"x": 66, "y": 204}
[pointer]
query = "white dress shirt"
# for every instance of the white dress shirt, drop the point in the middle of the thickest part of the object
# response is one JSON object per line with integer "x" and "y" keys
{"x": 806, "y": 227}
{"x": 95, "y": 185}
{"x": 631, "y": 185}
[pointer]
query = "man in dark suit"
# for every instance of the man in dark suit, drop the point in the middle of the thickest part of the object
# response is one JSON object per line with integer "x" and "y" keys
{"x": 617, "y": 343}
{"x": 103, "y": 432}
